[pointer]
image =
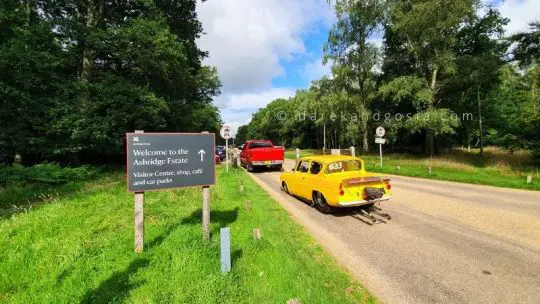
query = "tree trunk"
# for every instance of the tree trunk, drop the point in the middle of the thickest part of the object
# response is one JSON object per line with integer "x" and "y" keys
{"x": 93, "y": 12}
{"x": 365, "y": 140}
{"x": 430, "y": 140}
{"x": 480, "y": 122}
{"x": 88, "y": 56}
{"x": 434, "y": 80}
{"x": 29, "y": 7}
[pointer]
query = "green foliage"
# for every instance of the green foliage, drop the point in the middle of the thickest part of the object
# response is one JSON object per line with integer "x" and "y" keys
{"x": 77, "y": 75}
{"x": 444, "y": 62}
{"x": 527, "y": 50}
{"x": 441, "y": 121}
{"x": 408, "y": 88}
{"x": 47, "y": 173}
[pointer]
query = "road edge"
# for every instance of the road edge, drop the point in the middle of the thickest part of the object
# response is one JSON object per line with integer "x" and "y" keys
{"x": 354, "y": 265}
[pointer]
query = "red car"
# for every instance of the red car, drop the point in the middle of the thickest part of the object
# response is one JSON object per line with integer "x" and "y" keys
{"x": 261, "y": 153}
{"x": 216, "y": 159}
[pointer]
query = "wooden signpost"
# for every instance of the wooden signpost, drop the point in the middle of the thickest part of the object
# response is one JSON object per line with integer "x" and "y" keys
{"x": 139, "y": 217}
{"x": 158, "y": 161}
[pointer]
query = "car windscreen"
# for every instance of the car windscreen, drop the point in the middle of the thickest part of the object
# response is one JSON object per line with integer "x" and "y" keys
{"x": 343, "y": 166}
{"x": 256, "y": 145}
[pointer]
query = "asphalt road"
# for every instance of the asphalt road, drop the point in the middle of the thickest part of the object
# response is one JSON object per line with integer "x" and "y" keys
{"x": 446, "y": 242}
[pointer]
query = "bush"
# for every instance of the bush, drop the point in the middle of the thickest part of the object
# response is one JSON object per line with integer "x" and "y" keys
{"x": 47, "y": 173}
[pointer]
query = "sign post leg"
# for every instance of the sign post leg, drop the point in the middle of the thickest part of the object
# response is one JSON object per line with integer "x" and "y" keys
{"x": 227, "y": 155}
{"x": 380, "y": 153}
{"x": 139, "y": 221}
{"x": 206, "y": 212}
{"x": 139, "y": 217}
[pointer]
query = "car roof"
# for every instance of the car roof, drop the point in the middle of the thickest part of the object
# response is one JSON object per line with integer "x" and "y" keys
{"x": 328, "y": 158}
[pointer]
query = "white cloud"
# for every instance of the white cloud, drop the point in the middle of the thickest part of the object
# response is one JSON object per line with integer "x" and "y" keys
{"x": 247, "y": 39}
{"x": 520, "y": 12}
{"x": 238, "y": 108}
{"x": 315, "y": 70}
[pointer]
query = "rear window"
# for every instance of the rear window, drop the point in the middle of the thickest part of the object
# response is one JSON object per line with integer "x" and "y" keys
{"x": 256, "y": 145}
{"x": 344, "y": 166}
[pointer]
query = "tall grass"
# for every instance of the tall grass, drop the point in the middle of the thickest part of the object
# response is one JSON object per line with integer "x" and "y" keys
{"x": 79, "y": 249}
{"x": 21, "y": 187}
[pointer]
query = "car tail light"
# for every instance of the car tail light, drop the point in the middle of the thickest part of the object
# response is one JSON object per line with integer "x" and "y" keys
{"x": 387, "y": 182}
{"x": 341, "y": 192}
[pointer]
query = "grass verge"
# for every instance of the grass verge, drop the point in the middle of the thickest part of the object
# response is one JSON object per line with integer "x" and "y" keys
{"x": 79, "y": 248}
{"x": 498, "y": 168}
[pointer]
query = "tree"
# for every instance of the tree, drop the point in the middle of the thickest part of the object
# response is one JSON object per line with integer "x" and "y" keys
{"x": 241, "y": 135}
{"x": 527, "y": 50}
{"x": 428, "y": 32}
{"x": 479, "y": 50}
{"x": 87, "y": 71}
{"x": 354, "y": 57}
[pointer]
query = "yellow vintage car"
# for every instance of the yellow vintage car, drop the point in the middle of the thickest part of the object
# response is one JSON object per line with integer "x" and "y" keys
{"x": 335, "y": 181}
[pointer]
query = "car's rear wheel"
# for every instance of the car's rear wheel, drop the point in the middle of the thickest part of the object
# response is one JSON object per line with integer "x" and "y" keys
{"x": 285, "y": 188}
{"x": 320, "y": 203}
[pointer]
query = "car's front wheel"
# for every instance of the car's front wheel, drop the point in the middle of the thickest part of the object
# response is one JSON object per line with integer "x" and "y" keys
{"x": 320, "y": 203}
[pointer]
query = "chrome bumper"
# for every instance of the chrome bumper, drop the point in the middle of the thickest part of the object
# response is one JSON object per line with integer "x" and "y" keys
{"x": 363, "y": 202}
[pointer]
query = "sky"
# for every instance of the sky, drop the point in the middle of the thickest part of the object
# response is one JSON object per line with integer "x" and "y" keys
{"x": 268, "y": 49}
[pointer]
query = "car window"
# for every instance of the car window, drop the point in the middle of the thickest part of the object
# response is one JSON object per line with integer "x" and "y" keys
{"x": 303, "y": 166}
{"x": 315, "y": 168}
{"x": 255, "y": 145}
{"x": 344, "y": 166}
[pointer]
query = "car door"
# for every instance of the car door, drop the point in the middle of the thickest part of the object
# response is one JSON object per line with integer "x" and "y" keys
{"x": 312, "y": 179}
{"x": 299, "y": 180}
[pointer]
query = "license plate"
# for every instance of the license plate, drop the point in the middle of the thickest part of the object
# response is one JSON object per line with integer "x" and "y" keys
{"x": 268, "y": 162}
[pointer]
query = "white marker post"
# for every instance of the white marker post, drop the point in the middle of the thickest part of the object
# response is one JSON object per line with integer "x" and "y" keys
{"x": 380, "y": 131}
{"x": 380, "y": 152}
{"x": 225, "y": 133}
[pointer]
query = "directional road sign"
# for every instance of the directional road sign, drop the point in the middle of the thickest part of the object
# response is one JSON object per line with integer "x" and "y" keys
{"x": 169, "y": 160}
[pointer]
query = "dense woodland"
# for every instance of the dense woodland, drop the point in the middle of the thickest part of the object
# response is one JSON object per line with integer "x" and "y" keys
{"x": 76, "y": 75}
{"x": 444, "y": 64}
